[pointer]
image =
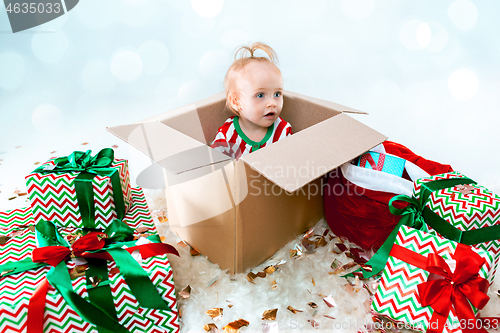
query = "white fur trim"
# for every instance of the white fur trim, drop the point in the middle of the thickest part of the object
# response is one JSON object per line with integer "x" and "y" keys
{"x": 379, "y": 149}
{"x": 382, "y": 181}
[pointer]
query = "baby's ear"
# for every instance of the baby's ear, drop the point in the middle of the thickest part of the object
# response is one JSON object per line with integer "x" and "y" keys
{"x": 233, "y": 100}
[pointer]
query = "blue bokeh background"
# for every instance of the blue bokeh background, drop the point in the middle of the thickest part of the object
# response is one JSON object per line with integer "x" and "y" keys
{"x": 426, "y": 71}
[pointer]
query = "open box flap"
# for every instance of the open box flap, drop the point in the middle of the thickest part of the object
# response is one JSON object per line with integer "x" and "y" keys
{"x": 304, "y": 156}
{"x": 170, "y": 148}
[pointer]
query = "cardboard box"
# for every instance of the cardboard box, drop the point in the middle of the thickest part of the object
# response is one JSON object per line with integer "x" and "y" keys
{"x": 239, "y": 213}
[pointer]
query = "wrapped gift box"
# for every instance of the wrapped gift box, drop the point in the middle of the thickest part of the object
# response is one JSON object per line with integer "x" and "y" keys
{"x": 17, "y": 239}
{"x": 382, "y": 162}
{"x": 139, "y": 215}
{"x": 466, "y": 207}
{"x": 58, "y": 196}
{"x": 398, "y": 297}
{"x": 17, "y": 289}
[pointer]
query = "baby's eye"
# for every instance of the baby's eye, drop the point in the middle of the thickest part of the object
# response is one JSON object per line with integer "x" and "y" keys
{"x": 260, "y": 95}
{"x": 277, "y": 94}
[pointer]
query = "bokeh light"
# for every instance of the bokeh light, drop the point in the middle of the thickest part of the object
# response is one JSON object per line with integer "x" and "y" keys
{"x": 419, "y": 99}
{"x": 310, "y": 9}
{"x": 93, "y": 106}
{"x": 322, "y": 44}
{"x": 195, "y": 26}
{"x": 192, "y": 91}
{"x": 207, "y": 8}
{"x": 439, "y": 37}
{"x": 232, "y": 38}
{"x": 112, "y": 62}
{"x": 424, "y": 35}
{"x": 449, "y": 54}
{"x": 135, "y": 3}
{"x": 167, "y": 89}
{"x": 12, "y": 69}
{"x": 47, "y": 118}
{"x": 463, "y": 84}
{"x": 463, "y": 14}
{"x": 137, "y": 14}
{"x": 213, "y": 65}
{"x": 126, "y": 65}
{"x": 49, "y": 47}
{"x": 97, "y": 14}
{"x": 386, "y": 94}
{"x": 154, "y": 55}
{"x": 97, "y": 78}
{"x": 358, "y": 9}
{"x": 408, "y": 34}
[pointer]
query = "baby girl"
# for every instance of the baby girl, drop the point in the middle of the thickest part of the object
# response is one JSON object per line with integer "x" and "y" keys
{"x": 254, "y": 93}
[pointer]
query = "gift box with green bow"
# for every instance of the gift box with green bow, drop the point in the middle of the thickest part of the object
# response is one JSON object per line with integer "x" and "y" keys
{"x": 472, "y": 209}
{"x": 432, "y": 284}
{"x": 80, "y": 190}
{"x": 118, "y": 280}
{"x": 450, "y": 205}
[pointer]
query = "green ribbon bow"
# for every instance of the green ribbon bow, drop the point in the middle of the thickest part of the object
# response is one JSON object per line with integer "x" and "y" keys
{"x": 100, "y": 309}
{"x": 89, "y": 166}
{"x": 417, "y": 215}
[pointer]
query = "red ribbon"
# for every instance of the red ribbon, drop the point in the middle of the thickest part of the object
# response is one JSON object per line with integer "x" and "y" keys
{"x": 445, "y": 290}
{"x": 53, "y": 255}
{"x": 368, "y": 158}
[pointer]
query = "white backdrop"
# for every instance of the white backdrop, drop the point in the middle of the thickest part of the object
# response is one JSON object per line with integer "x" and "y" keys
{"x": 426, "y": 71}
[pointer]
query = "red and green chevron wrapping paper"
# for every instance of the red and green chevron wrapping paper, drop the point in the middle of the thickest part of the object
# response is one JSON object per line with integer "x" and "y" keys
{"x": 53, "y": 196}
{"x": 19, "y": 240}
{"x": 465, "y": 211}
{"x": 16, "y": 290}
{"x": 15, "y": 223}
{"x": 397, "y": 298}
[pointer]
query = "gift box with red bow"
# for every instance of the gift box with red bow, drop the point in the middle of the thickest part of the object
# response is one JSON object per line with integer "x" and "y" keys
{"x": 432, "y": 284}
{"x": 80, "y": 190}
{"x": 472, "y": 209}
{"x": 118, "y": 280}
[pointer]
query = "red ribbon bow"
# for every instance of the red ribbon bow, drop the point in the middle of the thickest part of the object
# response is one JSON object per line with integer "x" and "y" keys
{"x": 53, "y": 255}
{"x": 444, "y": 289}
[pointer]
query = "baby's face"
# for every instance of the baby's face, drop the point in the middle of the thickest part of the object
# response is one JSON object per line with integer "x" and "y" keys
{"x": 260, "y": 94}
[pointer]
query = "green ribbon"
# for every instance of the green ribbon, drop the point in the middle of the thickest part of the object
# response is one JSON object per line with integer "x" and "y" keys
{"x": 100, "y": 311}
{"x": 135, "y": 276}
{"x": 102, "y": 293}
{"x": 19, "y": 266}
{"x": 59, "y": 278}
{"x": 89, "y": 166}
{"x": 118, "y": 231}
{"x": 417, "y": 215}
{"x": 48, "y": 235}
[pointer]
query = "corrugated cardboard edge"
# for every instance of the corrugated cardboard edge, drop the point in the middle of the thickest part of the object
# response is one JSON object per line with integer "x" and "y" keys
{"x": 331, "y": 150}
{"x": 152, "y": 143}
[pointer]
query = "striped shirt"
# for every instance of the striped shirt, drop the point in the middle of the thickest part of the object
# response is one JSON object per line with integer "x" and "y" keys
{"x": 231, "y": 140}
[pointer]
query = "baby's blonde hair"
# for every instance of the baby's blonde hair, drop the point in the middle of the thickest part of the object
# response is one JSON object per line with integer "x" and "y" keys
{"x": 241, "y": 59}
